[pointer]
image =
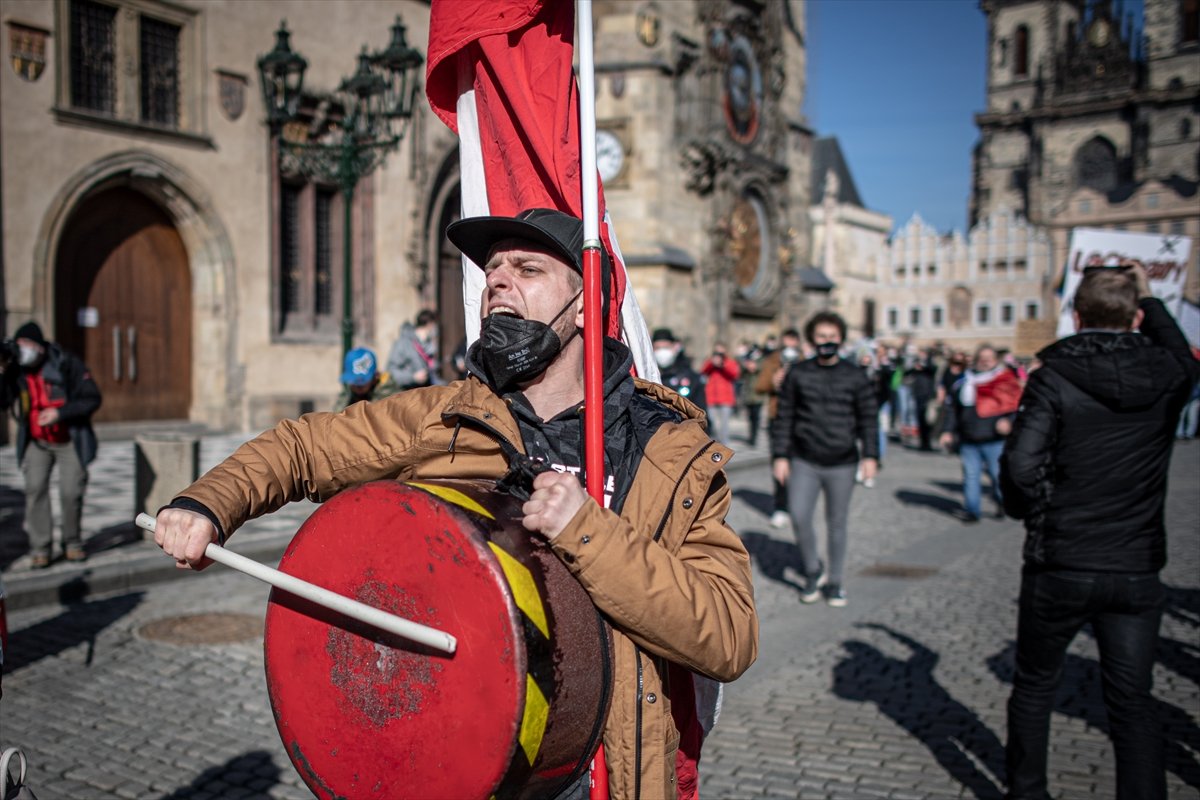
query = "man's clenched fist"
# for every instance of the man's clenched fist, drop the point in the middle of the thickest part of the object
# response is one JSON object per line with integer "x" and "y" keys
{"x": 183, "y": 535}
{"x": 556, "y": 498}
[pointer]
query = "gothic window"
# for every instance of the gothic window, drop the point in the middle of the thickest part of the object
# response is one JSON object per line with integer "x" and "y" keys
{"x": 308, "y": 285}
{"x": 1021, "y": 54}
{"x": 1096, "y": 165}
{"x": 160, "y": 72}
{"x": 93, "y": 37}
{"x": 1189, "y": 23}
{"x": 155, "y": 42}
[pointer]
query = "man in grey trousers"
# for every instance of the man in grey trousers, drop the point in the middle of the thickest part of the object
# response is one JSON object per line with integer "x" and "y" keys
{"x": 827, "y": 411}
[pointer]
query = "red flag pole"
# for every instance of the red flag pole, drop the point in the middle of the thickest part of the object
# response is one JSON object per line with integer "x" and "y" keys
{"x": 593, "y": 324}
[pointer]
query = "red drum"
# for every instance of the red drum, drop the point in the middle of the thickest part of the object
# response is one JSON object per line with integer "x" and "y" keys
{"x": 516, "y": 712}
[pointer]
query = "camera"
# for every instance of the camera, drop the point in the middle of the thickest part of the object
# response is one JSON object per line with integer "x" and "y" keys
{"x": 9, "y": 351}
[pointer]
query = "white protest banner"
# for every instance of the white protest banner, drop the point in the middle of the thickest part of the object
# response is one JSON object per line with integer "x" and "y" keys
{"x": 1164, "y": 257}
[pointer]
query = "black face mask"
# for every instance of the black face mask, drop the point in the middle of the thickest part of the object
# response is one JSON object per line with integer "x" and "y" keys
{"x": 518, "y": 350}
{"x": 828, "y": 349}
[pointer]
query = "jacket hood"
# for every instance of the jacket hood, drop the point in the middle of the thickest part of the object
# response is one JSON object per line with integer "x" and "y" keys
{"x": 669, "y": 398}
{"x": 1121, "y": 370}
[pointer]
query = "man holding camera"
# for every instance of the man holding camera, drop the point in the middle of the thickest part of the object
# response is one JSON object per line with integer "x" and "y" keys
{"x": 1086, "y": 467}
{"x": 53, "y": 397}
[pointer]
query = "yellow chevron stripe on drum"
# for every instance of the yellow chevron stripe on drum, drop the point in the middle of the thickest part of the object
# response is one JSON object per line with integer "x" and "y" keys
{"x": 453, "y": 496}
{"x": 533, "y": 721}
{"x": 524, "y": 590}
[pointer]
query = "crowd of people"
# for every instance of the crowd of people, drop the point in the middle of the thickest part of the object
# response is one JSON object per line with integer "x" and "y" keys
{"x": 1059, "y": 439}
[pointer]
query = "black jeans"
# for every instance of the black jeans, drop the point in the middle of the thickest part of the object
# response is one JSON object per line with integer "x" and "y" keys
{"x": 1125, "y": 610}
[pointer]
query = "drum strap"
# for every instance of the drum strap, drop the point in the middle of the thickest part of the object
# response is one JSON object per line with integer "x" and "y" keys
{"x": 522, "y": 469}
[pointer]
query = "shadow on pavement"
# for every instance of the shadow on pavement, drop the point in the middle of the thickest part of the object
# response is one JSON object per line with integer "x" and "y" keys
{"x": 935, "y": 501}
{"x": 251, "y": 774}
{"x": 114, "y": 536}
{"x": 14, "y": 542}
{"x": 772, "y": 556}
{"x": 762, "y": 502}
{"x": 906, "y": 691}
{"x": 80, "y": 622}
{"x": 1184, "y": 605}
{"x": 1080, "y": 695}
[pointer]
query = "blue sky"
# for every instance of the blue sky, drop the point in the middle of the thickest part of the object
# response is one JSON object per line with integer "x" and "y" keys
{"x": 898, "y": 82}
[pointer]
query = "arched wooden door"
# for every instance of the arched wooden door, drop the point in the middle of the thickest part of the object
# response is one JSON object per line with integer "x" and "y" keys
{"x": 124, "y": 303}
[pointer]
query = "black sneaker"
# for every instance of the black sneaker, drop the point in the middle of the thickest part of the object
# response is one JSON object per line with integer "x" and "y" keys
{"x": 835, "y": 595}
{"x": 812, "y": 586}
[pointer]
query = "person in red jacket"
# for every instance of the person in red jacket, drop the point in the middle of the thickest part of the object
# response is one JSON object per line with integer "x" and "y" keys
{"x": 720, "y": 372}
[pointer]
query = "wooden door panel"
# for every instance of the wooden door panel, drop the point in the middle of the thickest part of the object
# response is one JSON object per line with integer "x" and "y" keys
{"x": 130, "y": 264}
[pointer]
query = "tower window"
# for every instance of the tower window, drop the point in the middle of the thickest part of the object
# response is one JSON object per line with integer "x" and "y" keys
{"x": 1189, "y": 27}
{"x": 1021, "y": 54}
{"x": 1096, "y": 165}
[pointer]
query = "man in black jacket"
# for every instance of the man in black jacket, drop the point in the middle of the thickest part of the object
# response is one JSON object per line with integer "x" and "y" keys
{"x": 826, "y": 409}
{"x": 1086, "y": 468}
{"x": 53, "y": 397}
{"x": 675, "y": 368}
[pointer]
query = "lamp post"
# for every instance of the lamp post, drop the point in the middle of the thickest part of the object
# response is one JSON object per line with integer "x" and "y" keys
{"x": 355, "y": 128}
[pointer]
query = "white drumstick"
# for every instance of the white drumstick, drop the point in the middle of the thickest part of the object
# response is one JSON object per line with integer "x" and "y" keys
{"x": 413, "y": 631}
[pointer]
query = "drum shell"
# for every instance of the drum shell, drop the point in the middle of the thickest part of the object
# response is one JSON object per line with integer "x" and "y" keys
{"x": 390, "y": 718}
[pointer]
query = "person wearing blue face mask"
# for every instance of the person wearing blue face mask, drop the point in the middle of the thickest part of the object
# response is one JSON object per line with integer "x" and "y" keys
{"x": 827, "y": 412}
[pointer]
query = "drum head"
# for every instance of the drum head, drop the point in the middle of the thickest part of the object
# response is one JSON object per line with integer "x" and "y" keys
{"x": 364, "y": 714}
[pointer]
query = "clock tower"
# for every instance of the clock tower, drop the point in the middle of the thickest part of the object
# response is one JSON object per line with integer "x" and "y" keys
{"x": 705, "y": 159}
{"x": 1090, "y": 122}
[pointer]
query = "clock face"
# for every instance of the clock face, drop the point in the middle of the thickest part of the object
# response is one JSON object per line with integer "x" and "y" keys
{"x": 743, "y": 91}
{"x": 1098, "y": 33}
{"x": 746, "y": 245}
{"x": 610, "y": 155}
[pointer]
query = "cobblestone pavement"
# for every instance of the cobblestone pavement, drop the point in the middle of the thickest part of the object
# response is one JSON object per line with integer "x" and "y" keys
{"x": 899, "y": 695}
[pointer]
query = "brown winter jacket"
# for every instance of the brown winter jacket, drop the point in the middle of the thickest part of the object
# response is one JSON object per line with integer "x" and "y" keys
{"x": 669, "y": 574}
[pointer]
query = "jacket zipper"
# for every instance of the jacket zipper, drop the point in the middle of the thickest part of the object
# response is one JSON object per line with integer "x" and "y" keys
{"x": 637, "y": 752}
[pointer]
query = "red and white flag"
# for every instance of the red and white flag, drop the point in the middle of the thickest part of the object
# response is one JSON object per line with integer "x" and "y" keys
{"x": 500, "y": 75}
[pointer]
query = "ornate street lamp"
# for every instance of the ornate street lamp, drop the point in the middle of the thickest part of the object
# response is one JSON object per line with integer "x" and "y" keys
{"x": 368, "y": 115}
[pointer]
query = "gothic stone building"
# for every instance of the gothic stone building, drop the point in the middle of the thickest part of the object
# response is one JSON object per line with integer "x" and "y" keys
{"x": 150, "y": 224}
{"x": 1090, "y": 122}
{"x": 706, "y": 161}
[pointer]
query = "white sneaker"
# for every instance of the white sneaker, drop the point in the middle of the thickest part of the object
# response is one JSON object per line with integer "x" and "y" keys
{"x": 780, "y": 519}
{"x": 868, "y": 483}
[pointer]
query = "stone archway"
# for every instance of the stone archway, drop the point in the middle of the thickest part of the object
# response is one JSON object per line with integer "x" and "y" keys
{"x": 217, "y": 375}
